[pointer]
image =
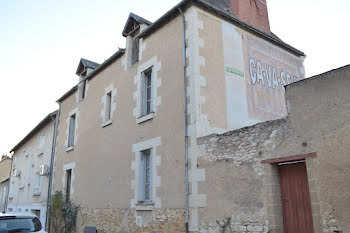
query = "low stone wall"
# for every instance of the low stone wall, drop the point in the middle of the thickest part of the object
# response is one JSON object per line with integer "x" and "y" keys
{"x": 239, "y": 188}
{"x": 245, "y": 222}
{"x": 130, "y": 220}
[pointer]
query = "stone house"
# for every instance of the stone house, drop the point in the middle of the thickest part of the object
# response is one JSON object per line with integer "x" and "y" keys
{"x": 29, "y": 181}
{"x": 127, "y": 141}
{"x": 286, "y": 175}
{"x": 5, "y": 168}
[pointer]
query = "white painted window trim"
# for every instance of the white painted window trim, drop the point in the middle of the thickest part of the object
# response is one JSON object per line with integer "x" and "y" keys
{"x": 110, "y": 89}
{"x": 155, "y": 82}
{"x": 76, "y": 112}
{"x": 137, "y": 148}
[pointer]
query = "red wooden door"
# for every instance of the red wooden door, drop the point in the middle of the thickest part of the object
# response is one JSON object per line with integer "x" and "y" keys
{"x": 296, "y": 204}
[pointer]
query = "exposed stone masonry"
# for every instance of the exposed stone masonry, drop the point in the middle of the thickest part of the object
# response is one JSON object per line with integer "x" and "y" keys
{"x": 246, "y": 145}
{"x": 123, "y": 220}
{"x": 235, "y": 152}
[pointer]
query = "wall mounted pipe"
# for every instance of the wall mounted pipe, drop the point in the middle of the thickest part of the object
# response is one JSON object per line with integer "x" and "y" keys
{"x": 53, "y": 151}
{"x": 185, "y": 120}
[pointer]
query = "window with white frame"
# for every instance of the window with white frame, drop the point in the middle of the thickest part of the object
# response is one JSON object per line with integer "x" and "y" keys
{"x": 37, "y": 183}
{"x": 71, "y": 132}
{"x": 108, "y": 107}
{"x": 145, "y": 176}
{"x": 146, "y": 97}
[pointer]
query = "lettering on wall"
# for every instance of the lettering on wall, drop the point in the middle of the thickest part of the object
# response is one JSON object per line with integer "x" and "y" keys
{"x": 269, "y": 68}
{"x": 267, "y": 75}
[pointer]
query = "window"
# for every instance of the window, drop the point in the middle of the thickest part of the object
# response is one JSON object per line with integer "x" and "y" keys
{"x": 37, "y": 184}
{"x": 108, "y": 109}
{"x": 68, "y": 183}
{"x": 135, "y": 50}
{"x": 146, "y": 92}
{"x": 145, "y": 179}
{"x": 82, "y": 90}
{"x": 42, "y": 141}
{"x": 71, "y": 130}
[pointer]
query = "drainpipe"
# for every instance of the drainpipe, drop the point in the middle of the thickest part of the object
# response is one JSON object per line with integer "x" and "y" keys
{"x": 53, "y": 150}
{"x": 185, "y": 119}
{"x": 8, "y": 187}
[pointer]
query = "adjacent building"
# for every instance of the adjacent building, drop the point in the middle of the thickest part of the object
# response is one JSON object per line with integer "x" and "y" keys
{"x": 127, "y": 153}
{"x": 286, "y": 175}
{"x": 5, "y": 168}
{"x": 29, "y": 181}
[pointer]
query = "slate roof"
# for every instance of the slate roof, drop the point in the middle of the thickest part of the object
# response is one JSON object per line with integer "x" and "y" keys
{"x": 84, "y": 63}
{"x": 219, "y": 9}
{"x": 131, "y": 19}
{"x": 101, "y": 67}
{"x": 42, "y": 123}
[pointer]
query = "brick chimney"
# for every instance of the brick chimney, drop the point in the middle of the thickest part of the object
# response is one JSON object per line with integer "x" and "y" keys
{"x": 253, "y": 12}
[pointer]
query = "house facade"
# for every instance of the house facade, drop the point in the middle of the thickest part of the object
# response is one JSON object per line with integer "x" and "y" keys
{"x": 127, "y": 153}
{"x": 29, "y": 181}
{"x": 286, "y": 175}
{"x": 5, "y": 168}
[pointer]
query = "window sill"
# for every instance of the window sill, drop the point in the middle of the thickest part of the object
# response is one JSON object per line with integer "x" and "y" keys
{"x": 36, "y": 193}
{"x": 106, "y": 123}
{"x": 148, "y": 206}
{"x": 144, "y": 118}
{"x": 69, "y": 148}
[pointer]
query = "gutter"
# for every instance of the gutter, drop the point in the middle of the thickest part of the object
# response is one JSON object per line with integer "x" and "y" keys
{"x": 185, "y": 120}
{"x": 53, "y": 151}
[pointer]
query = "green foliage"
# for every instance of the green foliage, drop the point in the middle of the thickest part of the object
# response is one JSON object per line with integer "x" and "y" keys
{"x": 63, "y": 214}
{"x": 224, "y": 224}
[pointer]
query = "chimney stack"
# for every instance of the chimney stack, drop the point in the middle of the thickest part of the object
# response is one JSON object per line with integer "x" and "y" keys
{"x": 253, "y": 12}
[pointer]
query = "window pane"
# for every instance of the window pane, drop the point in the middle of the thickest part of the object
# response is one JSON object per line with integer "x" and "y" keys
{"x": 68, "y": 183}
{"x": 71, "y": 130}
{"x": 147, "y": 92}
{"x": 108, "y": 105}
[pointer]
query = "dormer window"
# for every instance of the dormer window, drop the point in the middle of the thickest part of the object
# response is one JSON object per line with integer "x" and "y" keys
{"x": 134, "y": 25}
{"x": 135, "y": 49}
{"x": 85, "y": 67}
{"x": 82, "y": 89}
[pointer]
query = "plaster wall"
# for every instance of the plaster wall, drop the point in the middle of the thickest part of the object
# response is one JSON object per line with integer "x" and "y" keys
{"x": 104, "y": 171}
{"x": 3, "y": 194}
{"x": 27, "y": 159}
{"x": 238, "y": 186}
{"x": 242, "y": 72}
{"x": 5, "y": 167}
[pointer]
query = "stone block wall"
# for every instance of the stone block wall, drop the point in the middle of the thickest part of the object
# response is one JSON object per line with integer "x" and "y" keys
{"x": 239, "y": 187}
{"x": 125, "y": 220}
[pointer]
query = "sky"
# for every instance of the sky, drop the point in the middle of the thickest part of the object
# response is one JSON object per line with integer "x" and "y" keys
{"x": 41, "y": 43}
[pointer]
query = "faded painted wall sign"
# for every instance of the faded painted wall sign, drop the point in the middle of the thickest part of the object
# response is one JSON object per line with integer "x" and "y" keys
{"x": 269, "y": 69}
{"x": 255, "y": 73}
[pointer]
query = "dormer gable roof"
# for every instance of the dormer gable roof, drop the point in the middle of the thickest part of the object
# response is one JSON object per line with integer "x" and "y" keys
{"x": 133, "y": 22}
{"x": 84, "y": 64}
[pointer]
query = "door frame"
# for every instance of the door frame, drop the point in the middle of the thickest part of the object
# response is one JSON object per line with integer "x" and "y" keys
{"x": 273, "y": 189}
